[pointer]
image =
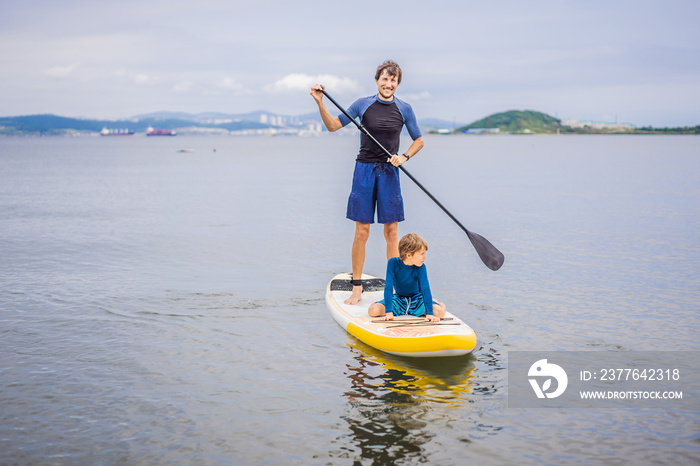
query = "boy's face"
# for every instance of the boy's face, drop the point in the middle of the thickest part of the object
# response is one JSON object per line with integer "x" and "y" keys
{"x": 417, "y": 258}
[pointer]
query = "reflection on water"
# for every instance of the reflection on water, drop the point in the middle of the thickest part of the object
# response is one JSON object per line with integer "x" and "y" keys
{"x": 393, "y": 400}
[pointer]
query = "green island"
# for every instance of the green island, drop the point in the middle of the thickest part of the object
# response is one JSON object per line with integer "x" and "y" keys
{"x": 533, "y": 122}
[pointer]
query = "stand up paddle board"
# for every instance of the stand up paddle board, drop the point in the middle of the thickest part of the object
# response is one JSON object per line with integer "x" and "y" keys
{"x": 403, "y": 336}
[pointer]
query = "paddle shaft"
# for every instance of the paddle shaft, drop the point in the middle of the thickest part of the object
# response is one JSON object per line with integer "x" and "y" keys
{"x": 408, "y": 321}
{"x": 488, "y": 253}
{"x": 425, "y": 324}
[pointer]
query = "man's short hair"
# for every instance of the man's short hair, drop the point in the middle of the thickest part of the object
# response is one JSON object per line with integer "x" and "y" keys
{"x": 392, "y": 69}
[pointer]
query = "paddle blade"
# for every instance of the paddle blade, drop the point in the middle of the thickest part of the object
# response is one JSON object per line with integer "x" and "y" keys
{"x": 490, "y": 256}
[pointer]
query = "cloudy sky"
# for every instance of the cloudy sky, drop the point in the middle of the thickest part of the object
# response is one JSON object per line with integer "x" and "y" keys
{"x": 630, "y": 61}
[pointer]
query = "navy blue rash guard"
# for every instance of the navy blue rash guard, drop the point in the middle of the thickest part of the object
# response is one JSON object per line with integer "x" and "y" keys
{"x": 407, "y": 281}
{"x": 384, "y": 121}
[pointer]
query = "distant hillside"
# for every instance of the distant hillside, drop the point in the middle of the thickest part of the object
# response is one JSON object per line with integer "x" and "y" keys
{"x": 517, "y": 121}
{"x": 49, "y": 124}
{"x": 57, "y": 125}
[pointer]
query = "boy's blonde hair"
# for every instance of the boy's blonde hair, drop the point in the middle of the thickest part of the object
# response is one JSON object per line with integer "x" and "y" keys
{"x": 411, "y": 244}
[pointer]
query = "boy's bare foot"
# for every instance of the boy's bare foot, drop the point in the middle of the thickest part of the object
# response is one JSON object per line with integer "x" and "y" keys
{"x": 356, "y": 295}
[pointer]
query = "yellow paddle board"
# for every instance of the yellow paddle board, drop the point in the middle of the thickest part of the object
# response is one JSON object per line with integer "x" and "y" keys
{"x": 403, "y": 336}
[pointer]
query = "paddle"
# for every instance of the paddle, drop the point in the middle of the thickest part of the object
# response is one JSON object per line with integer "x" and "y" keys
{"x": 490, "y": 256}
{"x": 405, "y": 320}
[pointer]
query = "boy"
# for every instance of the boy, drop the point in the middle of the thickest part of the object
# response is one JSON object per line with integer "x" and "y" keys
{"x": 408, "y": 276}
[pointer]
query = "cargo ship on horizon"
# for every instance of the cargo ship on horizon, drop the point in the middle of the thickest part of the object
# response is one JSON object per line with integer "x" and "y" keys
{"x": 160, "y": 132}
{"x": 116, "y": 132}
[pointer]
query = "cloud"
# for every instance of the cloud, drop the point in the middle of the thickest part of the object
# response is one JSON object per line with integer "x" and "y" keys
{"x": 183, "y": 86}
{"x": 302, "y": 82}
{"x": 61, "y": 71}
{"x": 230, "y": 84}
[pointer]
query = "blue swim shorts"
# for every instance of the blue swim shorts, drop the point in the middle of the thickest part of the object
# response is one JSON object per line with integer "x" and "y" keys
{"x": 375, "y": 184}
{"x": 408, "y": 305}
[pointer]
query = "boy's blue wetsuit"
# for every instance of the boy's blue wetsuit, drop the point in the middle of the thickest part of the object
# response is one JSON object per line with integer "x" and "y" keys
{"x": 376, "y": 182}
{"x": 412, "y": 289}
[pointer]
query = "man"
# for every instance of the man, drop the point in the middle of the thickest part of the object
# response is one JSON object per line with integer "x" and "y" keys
{"x": 376, "y": 178}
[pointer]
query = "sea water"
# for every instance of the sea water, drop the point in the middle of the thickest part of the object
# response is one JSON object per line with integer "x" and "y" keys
{"x": 161, "y": 307}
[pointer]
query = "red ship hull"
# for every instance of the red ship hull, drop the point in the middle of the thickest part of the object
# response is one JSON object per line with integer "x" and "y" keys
{"x": 161, "y": 132}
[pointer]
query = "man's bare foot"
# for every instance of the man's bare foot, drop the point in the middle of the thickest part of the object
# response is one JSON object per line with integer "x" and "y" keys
{"x": 356, "y": 295}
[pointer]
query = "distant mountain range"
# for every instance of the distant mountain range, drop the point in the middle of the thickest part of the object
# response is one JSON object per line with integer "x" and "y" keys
{"x": 52, "y": 124}
{"x": 252, "y": 121}
{"x": 511, "y": 122}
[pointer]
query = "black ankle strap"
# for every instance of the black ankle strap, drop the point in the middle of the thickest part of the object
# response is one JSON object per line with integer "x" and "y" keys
{"x": 356, "y": 282}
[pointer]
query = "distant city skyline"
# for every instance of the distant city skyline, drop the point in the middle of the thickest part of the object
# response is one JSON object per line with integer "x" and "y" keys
{"x": 634, "y": 62}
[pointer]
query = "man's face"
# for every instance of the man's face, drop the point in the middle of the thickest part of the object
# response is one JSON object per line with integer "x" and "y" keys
{"x": 386, "y": 85}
